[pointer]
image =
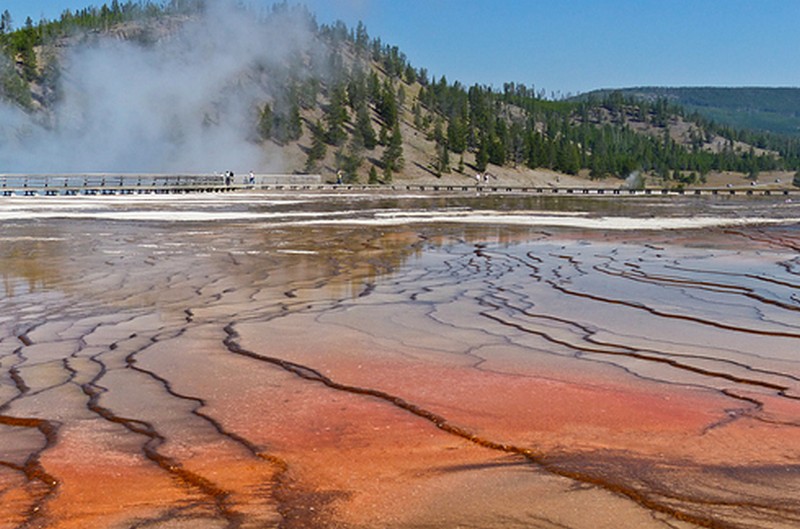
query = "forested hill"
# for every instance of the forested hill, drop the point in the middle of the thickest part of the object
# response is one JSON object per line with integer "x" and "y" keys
{"x": 331, "y": 99}
{"x": 775, "y": 110}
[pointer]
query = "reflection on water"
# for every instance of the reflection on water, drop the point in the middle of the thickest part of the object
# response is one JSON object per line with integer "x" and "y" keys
{"x": 26, "y": 261}
{"x": 274, "y": 361}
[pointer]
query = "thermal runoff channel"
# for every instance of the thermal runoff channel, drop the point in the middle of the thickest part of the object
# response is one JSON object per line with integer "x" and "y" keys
{"x": 291, "y": 365}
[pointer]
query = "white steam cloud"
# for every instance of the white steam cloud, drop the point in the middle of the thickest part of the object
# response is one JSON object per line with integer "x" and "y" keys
{"x": 184, "y": 104}
{"x": 634, "y": 180}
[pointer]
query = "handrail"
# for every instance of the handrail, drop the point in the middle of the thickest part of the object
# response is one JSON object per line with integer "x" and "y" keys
{"x": 112, "y": 184}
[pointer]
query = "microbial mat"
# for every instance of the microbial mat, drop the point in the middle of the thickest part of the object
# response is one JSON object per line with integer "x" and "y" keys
{"x": 353, "y": 361}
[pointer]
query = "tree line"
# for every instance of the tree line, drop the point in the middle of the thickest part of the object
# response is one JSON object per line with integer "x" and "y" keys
{"x": 516, "y": 125}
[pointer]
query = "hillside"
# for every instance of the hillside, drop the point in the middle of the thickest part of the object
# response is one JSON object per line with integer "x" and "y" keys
{"x": 774, "y": 110}
{"x": 185, "y": 87}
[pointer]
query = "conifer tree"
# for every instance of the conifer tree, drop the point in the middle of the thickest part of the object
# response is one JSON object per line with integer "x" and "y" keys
{"x": 294, "y": 123}
{"x": 387, "y": 105}
{"x": 568, "y": 157}
{"x": 496, "y": 150}
{"x": 456, "y": 135}
{"x": 374, "y": 88}
{"x": 357, "y": 89}
{"x": 363, "y": 127}
{"x": 498, "y": 146}
{"x": 318, "y": 148}
{"x": 6, "y": 25}
{"x": 392, "y": 159}
{"x": 410, "y": 74}
{"x": 336, "y": 116}
{"x": 265, "y": 121}
{"x": 418, "y": 123}
{"x": 362, "y": 39}
{"x": 482, "y": 155}
{"x": 349, "y": 159}
{"x": 442, "y": 162}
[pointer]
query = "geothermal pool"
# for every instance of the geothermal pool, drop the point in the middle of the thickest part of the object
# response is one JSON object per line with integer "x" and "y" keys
{"x": 359, "y": 361}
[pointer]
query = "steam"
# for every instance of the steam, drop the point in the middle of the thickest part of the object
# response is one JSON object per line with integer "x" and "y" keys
{"x": 634, "y": 180}
{"x": 186, "y": 103}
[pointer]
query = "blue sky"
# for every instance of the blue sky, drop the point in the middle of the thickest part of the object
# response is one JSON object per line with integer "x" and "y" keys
{"x": 567, "y": 46}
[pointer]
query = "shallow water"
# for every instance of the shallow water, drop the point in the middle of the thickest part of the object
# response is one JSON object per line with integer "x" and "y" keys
{"x": 257, "y": 360}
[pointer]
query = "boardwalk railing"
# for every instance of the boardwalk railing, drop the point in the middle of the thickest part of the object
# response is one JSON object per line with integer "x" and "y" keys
{"x": 125, "y": 184}
{"x": 534, "y": 190}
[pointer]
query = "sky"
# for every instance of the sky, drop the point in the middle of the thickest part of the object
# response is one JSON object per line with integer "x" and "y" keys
{"x": 565, "y": 47}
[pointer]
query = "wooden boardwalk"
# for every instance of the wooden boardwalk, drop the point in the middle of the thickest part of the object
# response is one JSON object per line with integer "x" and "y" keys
{"x": 129, "y": 184}
{"x": 538, "y": 190}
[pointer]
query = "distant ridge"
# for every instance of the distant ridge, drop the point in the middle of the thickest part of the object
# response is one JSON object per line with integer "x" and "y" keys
{"x": 764, "y": 109}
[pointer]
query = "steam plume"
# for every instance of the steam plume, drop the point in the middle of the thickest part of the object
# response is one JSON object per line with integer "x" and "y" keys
{"x": 185, "y": 103}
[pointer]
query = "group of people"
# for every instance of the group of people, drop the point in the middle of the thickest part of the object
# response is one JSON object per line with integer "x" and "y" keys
{"x": 482, "y": 178}
{"x": 230, "y": 178}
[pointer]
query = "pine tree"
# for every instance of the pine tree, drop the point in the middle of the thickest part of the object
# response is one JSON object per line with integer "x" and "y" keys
{"x": 349, "y": 160}
{"x": 392, "y": 159}
{"x": 265, "y": 121}
{"x": 318, "y": 148}
{"x": 374, "y": 88}
{"x": 29, "y": 62}
{"x": 498, "y": 143}
{"x": 568, "y": 157}
{"x": 496, "y": 150}
{"x": 6, "y": 25}
{"x": 482, "y": 155}
{"x": 597, "y": 170}
{"x": 410, "y": 74}
{"x": 418, "y": 123}
{"x": 294, "y": 123}
{"x": 336, "y": 116}
{"x": 357, "y": 90}
{"x": 442, "y": 162}
{"x": 456, "y": 135}
{"x": 387, "y": 105}
{"x": 362, "y": 39}
{"x": 363, "y": 127}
